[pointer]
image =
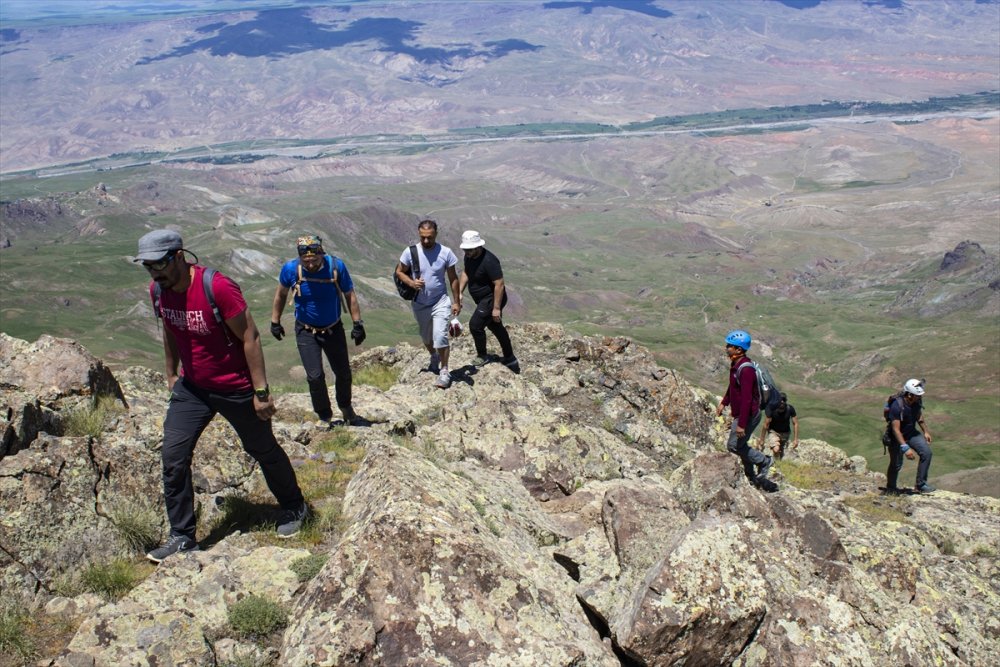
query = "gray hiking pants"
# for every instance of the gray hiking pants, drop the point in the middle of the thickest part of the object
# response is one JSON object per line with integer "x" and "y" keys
{"x": 750, "y": 457}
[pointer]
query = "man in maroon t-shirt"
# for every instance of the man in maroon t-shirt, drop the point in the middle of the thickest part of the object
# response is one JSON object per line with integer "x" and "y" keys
{"x": 743, "y": 399}
{"x": 212, "y": 367}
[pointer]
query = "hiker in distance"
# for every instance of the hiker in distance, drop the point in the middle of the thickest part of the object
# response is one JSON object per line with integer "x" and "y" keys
{"x": 431, "y": 306}
{"x": 743, "y": 398}
{"x": 484, "y": 276}
{"x": 214, "y": 364}
{"x": 784, "y": 424}
{"x": 905, "y": 415}
{"x": 321, "y": 285}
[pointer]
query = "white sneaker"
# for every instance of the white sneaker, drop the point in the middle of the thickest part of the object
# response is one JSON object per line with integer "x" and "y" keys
{"x": 444, "y": 380}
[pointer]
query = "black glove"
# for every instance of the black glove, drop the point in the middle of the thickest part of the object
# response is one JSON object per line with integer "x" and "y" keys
{"x": 358, "y": 332}
{"x": 277, "y": 330}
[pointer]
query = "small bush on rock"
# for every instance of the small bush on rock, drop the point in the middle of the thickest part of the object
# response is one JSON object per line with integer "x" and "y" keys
{"x": 257, "y": 616}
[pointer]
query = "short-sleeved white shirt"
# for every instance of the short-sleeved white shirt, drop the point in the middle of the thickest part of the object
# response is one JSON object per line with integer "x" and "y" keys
{"x": 434, "y": 266}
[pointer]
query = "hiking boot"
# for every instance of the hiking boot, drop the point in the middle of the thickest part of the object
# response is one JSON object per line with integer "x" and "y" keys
{"x": 434, "y": 366}
{"x": 352, "y": 419}
{"x": 290, "y": 522}
{"x": 482, "y": 360}
{"x": 511, "y": 363}
{"x": 444, "y": 380}
{"x": 765, "y": 485}
{"x": 925, "y": 488}
{"x": 324, "y": 424}
{"x": 893, "y": 491}
{"x": 764, "y": 467}
{"x": 174, "y": 544}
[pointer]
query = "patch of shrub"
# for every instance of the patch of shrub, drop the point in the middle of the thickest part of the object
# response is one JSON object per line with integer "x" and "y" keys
{"x": 307, "y": 567}
{"x": 257, "y": 616}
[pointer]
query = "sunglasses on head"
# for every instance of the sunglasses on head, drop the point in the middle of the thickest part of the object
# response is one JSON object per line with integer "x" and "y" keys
{"x": 160, "y": 264}
{"x": 311, "y": 249}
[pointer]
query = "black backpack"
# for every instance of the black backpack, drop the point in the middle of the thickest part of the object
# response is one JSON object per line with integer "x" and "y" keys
{"x": 770, "y": 395}
{"x": 405, "y": 290}
{"x": 206, "y": 283}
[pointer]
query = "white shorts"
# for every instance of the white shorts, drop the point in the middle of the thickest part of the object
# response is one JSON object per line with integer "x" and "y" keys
{"x": 433, "y": 321}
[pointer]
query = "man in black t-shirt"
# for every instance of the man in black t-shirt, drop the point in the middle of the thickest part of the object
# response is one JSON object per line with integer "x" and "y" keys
{"x": 484, "y": 276}
{"x": 782, "y": 421}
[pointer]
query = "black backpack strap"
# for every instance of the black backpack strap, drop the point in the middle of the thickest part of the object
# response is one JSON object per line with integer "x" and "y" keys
{"x": 156, "y": 300}
{"x": 414, "y": 262}
{"x": 206, "y": 283}
{"x": 739, "y": 369}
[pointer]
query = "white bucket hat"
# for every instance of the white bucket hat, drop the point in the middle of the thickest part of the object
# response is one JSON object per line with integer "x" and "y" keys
{"x": 471, "y": 239}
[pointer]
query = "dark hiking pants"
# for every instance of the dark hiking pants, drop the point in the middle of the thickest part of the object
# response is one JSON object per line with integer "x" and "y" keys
{"x": 188, "y": 413}
{"x": 741, "y": 447}
{"x": 481, "y": 320}
{"x": 312, "y": 347}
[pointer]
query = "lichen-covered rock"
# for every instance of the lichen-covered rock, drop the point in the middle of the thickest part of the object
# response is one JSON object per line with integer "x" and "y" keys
{"x": 582, "y": 512}
{"x": 169, "y": 618}
{"x": 439, "y": 569}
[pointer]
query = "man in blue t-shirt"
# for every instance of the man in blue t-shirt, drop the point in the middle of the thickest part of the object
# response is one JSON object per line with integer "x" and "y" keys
{"x": 320, "y": 284}
{"x": 905, "y": 414}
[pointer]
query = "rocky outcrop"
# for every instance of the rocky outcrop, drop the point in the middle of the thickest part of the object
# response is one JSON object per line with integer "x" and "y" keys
{"x": 580, "y": 513}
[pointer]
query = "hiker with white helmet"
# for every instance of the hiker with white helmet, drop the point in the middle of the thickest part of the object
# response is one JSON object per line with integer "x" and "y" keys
{"x": 743, "y": 399}
{"x": 905, "y": 415}
{"x": 484, "y": 276}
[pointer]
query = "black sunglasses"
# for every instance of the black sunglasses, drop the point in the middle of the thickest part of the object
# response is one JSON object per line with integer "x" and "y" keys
{"x": 311, "y": 249}
{"x": 160, "y": 264}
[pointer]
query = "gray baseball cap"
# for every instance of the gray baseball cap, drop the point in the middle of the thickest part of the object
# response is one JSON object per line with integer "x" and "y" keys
{"x": 156, "y": 244}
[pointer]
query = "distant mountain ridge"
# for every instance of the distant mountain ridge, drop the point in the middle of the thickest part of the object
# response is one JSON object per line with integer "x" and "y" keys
{"x": 74, "y": 92}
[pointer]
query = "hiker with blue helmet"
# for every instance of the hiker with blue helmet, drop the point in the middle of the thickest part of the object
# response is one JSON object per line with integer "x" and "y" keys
{"x": 743, "y": 399}
{"x": 905, "y": 415}
{"x": 323, "y": 289}
{"x": 214, "y": 365}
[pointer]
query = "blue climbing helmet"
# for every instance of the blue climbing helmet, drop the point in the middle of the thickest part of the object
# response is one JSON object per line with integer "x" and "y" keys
{"x": 739, "y": 338}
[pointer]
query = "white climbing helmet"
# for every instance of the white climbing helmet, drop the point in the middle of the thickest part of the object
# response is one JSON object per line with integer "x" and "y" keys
{"x": 914, "y": 386}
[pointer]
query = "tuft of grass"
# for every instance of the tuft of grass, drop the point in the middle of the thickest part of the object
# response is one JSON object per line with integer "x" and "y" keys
{"x": 307, "y": 567}
{"x": 137, "y": 524}
{"x": 15, "y": 640}
{"x": 91, "y": 419}
{"x": 112, "y": 580}
{"x": 984, "y": 551}
{"x": 380, "y": 376}
{"x": 947, "y": 547}
{"x": 339, "y": 440}
{"x": 811, "y": 477}
{"x": 256, "y": 616}
{"x": 248, "y": 659}
{"x": 874, "y": 508}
